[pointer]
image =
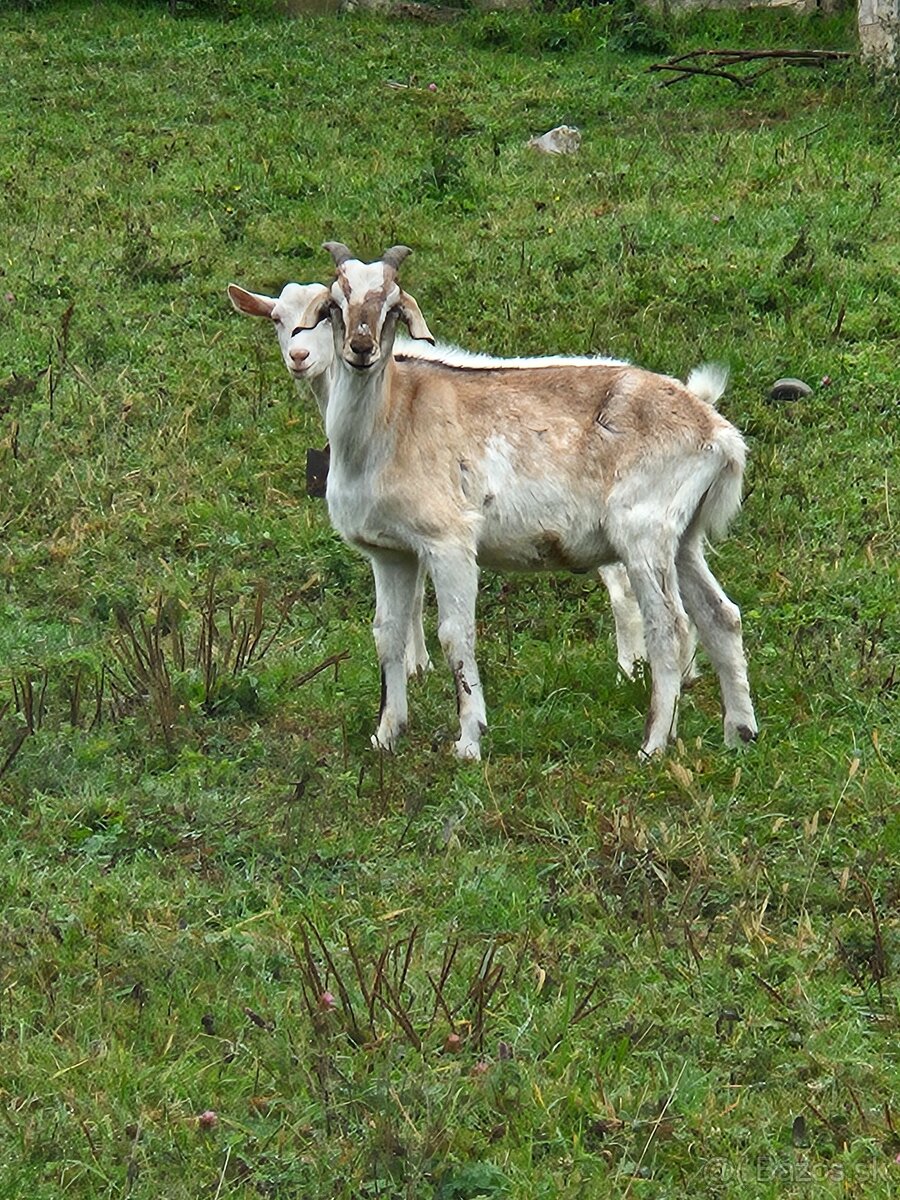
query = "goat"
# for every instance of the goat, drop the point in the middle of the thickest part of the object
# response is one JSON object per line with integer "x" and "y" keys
{"x": 576, "y": 464}
{"x": 308, "y": 355}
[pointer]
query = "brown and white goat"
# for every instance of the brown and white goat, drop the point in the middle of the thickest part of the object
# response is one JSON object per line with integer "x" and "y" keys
{"x": 308, "y": 355}
{"x": 571, "y": 464}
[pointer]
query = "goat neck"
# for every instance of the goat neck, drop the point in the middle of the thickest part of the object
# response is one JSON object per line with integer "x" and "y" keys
{"x": 356, "y": 420}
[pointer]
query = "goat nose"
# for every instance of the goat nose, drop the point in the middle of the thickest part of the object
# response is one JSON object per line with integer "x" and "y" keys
{"x": 362, "y": 344}
{"x": 299, "y": 355}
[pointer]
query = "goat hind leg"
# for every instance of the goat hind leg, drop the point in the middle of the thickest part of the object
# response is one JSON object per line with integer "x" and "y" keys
{"x": 418, "y": 661}
{"x": 718, "y": 622}
{"x": 654, "y": 582}
{"x": 630, "y": 645}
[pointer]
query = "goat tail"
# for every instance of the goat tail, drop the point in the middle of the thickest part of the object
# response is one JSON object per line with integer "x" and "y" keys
{"x": 708, "y": 382}
{"x": 722, "y": 499}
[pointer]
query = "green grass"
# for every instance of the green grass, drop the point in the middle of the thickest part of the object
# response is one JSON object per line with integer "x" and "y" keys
{"x": 672, "y": 980}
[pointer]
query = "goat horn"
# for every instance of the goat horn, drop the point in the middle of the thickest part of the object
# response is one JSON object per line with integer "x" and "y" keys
{"x": 395, "y": 256}
{"x": 338, "y": 251}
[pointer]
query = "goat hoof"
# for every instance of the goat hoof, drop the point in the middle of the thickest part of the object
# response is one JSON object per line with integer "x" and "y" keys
{"x": 467, "y": 751}
{"x": 740, "y": 735}
{"x": 386, "y": 741}
{"x": 648, "y": 753}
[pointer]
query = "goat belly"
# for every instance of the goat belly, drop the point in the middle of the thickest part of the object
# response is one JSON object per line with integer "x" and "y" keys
{"x": 543, "y": 546}
{"x": 546, "y": 551}
{"x": 539, "y": 522}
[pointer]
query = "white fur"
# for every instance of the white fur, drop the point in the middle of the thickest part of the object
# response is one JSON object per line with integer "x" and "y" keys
{"x": 708, "y": 382}
{"x": 455, "y": 356}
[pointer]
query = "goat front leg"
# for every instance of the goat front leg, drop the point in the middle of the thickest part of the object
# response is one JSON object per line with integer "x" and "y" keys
{"x": 418, "y": 661}
{"x": 397, "y": 583}
{"x": 454, "y": 573}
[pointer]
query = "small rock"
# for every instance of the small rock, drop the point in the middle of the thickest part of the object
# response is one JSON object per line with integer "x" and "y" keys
{"x": 789, "y": 389}
{"x": 564, "y": 139}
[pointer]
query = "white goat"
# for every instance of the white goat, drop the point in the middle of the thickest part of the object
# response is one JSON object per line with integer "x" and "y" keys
{"x": 575, "y": 463}
{"x": 308, "y": 353}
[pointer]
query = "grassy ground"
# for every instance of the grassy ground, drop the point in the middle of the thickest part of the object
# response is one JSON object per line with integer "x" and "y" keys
{"x": 552, "y": 974}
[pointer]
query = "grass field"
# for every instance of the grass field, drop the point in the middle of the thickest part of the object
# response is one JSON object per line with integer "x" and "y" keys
{"x": 240, "y": 954}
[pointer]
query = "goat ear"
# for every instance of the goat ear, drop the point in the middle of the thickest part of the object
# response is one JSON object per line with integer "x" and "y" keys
{"x": 317, "y": 310}
{"x": 415, "y": 322}
{"x": 249, "y": 302}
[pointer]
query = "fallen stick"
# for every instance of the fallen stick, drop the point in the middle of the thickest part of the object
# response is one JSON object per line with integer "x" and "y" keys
{"x": 333, "y": 660}
{"x": 684, "y": 67}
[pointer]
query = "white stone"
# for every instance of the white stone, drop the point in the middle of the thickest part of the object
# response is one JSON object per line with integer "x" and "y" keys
{"x": 564, "y": 139}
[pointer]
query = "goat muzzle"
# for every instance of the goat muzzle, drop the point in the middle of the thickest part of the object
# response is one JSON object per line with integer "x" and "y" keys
{"x": 363, "y": 350}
